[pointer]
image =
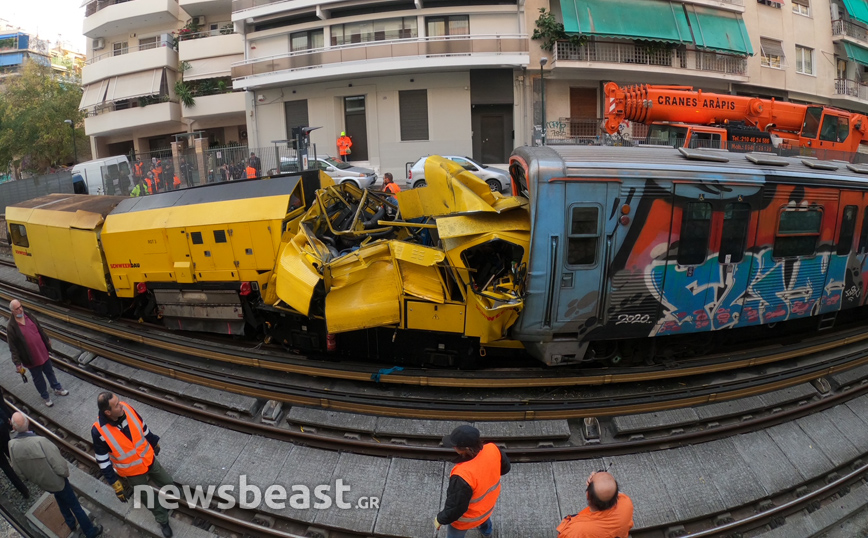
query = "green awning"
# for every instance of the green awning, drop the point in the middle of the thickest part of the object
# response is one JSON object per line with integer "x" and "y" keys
{"x": 654, "y": 20}
{"x": 719, "y": 30}
{"x": 858, "y": 9}
{"x": 856, "y": 53}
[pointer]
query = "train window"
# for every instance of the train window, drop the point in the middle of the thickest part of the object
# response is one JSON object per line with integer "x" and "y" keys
{"x": 19, "y": 235}
{"x": 695, "y": 229}
{"x": 848, "y": 228}
{"x": 798, "y": 231}
{"x": 736, "y": 217}
{"x": 863, "y": 236}
{"x": 196, "y": 238}
{"x": 583, "y": 237}
{"x": 219, "y": 236}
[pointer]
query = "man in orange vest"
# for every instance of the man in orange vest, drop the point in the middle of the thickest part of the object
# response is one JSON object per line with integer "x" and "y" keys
{"x": 474, "y": 484}
{"x": 125, "y": 448}
{"x": 389, "y": 184}
{"x": 344, "y": 145}
{"x": 251, "y": 171}
{"x": 609, "y": 513}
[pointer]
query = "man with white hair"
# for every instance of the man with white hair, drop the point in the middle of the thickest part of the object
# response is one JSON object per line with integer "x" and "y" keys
{"x": 30, "y": 347}
{"x": 37, "y": 459}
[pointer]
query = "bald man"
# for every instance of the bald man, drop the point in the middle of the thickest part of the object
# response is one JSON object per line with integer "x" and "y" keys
{"x": 30, "y": 347}
{"x": 609, "y": 513}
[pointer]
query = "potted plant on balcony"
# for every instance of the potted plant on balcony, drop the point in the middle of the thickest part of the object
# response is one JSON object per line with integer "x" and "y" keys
{"x": 549, "y": 31}
{"x": 189, "y": 31}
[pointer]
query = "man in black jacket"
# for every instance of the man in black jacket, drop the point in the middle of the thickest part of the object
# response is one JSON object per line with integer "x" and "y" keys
{"x": 5, "y": 429}
{"x": 30, "y": 347}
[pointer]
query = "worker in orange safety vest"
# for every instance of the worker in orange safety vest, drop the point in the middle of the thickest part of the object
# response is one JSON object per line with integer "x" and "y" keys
{"x": 389, "y": 184}
{"x": 344, "y": 145}
{"x": 474, "y": 484}
{"x": 125, "y": 448}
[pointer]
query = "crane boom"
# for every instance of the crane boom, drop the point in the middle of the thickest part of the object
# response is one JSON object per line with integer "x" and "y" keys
{"x": 829, "y": 131}
{"x": 647, "y": 104}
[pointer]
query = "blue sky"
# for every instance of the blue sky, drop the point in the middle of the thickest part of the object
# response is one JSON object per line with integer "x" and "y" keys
{"x": 48, "y": 18}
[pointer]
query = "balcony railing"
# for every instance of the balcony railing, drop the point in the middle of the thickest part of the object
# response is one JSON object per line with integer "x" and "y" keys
{"x": 851, "y": 88}
{"x": 127, "y": 50}
{"x": 628, "y": 53}
{"x": 385, "y": 50}
{"x": 238, "y": 5}
{"x": 849, "y": 29}
{"x": 97, "y": 5}
{"x": 126, "y": 104}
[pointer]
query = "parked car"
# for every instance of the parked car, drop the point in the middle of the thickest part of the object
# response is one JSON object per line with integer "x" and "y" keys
{"x": 339, "y": 171}
{"x": 496, "y": 178}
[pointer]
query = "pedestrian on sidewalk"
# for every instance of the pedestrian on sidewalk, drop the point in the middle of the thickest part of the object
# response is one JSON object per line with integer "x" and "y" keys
{"x": 609, "y": 513}
{"x": 344, "y": 145}
{"x": 39, "y": 460}
{"x": 30, "y": 347}
{"x": 474, "y": 484}
{"x": 5, "y": 430}
{"x": 125, "y": 448}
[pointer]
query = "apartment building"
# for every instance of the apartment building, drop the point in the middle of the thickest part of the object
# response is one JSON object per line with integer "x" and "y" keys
{"x": 137, "y": 53}
{"x": 17, "y": 48}
{"x": 797, "y": 50}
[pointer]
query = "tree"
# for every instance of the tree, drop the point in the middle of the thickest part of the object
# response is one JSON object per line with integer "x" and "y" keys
{"x": 33, "y": 107}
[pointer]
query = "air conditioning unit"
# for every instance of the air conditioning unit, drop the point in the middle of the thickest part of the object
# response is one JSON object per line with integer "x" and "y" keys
{"x": 199, "y": 21}
{"x": 98, "y": 43}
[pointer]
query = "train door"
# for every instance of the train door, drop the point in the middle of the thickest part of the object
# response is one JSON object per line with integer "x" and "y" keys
{"x": 844, "y": 286}
{"x": 576, "y": 278}
{"x": 862, "y": 253}
{"x": 212, "y": 254}
{"x": 707, "y": 270}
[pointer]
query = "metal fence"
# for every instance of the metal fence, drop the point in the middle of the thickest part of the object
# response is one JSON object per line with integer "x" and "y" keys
{"x": 12, "y": 192}
{"x": 230, "y": 162}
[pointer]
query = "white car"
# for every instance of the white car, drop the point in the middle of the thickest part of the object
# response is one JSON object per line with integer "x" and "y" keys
{"x": 496, "y": 178}
{"x": 339, "y": 171}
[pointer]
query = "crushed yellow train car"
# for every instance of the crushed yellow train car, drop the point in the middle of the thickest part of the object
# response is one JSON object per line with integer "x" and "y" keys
{"x": 449, "y": 257}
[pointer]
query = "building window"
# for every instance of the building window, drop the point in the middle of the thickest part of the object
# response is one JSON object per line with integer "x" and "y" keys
{"x": 384, "y": 30}
{"x": 149, "y": 43}
{"x": 583, "y": 237}
{"x": 448, "y": 26}
{"x": 413, "y": 105}
{"x": 771, "y": 3}
{"x": 695, "y": 231}
{"x": 772, "y": 53}
{"x": 798, "y": 231}
{"x": 311, "y": 39}
{"x": 802, "y": 7}
{"x": 804, "y": 60}
{"x": 119, "y": 48}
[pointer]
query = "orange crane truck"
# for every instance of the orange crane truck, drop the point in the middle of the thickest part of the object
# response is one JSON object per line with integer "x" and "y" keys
{"x": 701, "y": 119}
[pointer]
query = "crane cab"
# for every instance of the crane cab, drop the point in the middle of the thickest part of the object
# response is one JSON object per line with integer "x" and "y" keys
{"x": 734, "y": 137}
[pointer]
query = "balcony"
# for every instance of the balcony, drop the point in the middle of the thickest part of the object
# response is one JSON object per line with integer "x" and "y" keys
{"x": 424, "y": 53}
{"x": 206, "y": 7}
{"x": 113, "y": 17}
{"x": 208, "y": 46}
{"x": 631, "y": 57}
{"x": 221, "y": 106}
{"x": 851, "y": 94}
{"x": 146, "y": 58}
{"x": 108, "y": 120}
{"x": 842, "y": 29}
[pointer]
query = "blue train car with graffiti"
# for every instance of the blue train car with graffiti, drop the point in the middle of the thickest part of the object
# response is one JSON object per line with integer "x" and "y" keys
{"x": 636, "y": 250}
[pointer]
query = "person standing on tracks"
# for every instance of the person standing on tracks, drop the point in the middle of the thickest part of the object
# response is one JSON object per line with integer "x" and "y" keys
{"x": 5, "y": 430}
{"x": 474, "y": 484}
{"x": 30, "y": 347}
{"x": 39, "y": 460}
{"x": 344, "y": 145}
{"x": 609, "y": 513}
{"x": 125, "y": 448}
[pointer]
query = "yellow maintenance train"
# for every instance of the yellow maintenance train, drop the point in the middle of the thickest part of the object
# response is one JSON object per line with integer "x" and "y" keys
{"x": 431, "y": 277}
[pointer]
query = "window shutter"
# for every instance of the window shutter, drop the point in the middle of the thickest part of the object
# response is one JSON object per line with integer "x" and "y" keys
{"x": 413, "y": 105}
{"x": 296, "y": 115}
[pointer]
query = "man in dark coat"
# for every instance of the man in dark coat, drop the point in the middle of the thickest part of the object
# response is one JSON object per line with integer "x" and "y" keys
{"x": 5, "y": 429}
{"x": 30, "y": 347}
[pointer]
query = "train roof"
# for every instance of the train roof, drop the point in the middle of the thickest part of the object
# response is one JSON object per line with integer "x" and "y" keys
{"x": 663, "y": 161}
{"x": 217, "y": 192}
{"x": 71, "y": 203}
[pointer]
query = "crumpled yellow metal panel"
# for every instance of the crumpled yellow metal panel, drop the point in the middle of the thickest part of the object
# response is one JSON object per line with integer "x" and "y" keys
{"x": 481, "y": 223}
{"x": 364, "y": 298}
{"x": 489, "y": 319}
{"x": 418, "y": 270}
{"x": 452, "y": 189}
{"x": 296, "y": 276}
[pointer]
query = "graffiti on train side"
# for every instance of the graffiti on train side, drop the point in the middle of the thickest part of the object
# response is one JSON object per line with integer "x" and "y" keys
{"x": 757, "y": 290}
